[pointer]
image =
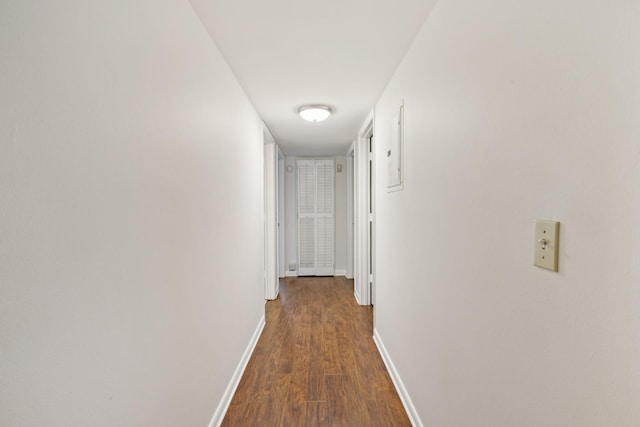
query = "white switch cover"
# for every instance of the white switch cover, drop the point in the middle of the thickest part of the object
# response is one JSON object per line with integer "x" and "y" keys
{"x": 546, "y": 244}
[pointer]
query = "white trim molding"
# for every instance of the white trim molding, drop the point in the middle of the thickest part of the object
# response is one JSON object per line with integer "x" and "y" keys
{"x": 221, "y": 410}
{"x": 397, "y": 381}
{"x": 340, "y": 273}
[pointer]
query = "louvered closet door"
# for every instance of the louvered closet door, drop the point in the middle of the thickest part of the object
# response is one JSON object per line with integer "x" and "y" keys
{"x": 324, "y": 217}
{"x": 316, "y": 217}
{"x": 306, "y": 217}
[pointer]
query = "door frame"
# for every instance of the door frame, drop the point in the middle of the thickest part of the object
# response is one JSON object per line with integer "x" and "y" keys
{"x": 350, "y": 212}
{"x": 281, "y": 214}
{"x": 271, "y": 149}
{"x": 364, "y": 196}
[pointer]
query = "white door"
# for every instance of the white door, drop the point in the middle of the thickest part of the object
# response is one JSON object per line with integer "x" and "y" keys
{"x": 316, "y": 189}
{"x": 306, "y": 217}
{"x": 325, "y": 188}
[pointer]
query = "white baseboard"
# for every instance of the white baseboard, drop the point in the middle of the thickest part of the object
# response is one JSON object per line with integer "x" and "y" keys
{"x": 397, "y": 381}
{"x": 275, "y": 297}
{"x": 355, "y": 294}
{"x": 221, "y": 411}
{"x": 335, "y": 273}
{"x": 359, "y": 300}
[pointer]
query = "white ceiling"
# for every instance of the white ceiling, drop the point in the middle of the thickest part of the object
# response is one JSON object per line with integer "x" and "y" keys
{"x": 288, "y": 53}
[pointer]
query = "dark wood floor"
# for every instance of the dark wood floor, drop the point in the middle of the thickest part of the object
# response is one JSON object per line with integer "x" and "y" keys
{"x": 316, "y": 363}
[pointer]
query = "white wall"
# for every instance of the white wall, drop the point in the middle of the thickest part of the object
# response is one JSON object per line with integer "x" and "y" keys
{"x": 131, "y": 208}
{"x": 515, "y": 111}
{"x": 341, "y": 216}
{"x": 291, "y": 219}
{"x": 291, "y": 216}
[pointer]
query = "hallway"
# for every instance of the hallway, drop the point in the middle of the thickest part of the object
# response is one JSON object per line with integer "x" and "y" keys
{"x": 316, "y": 363}
{"x": 135, "y": 221}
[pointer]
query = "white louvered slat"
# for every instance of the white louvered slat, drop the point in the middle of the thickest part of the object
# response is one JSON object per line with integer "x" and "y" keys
{"x": 307, "y": 244}
{"x": 306, "y": 187}
{"x": 324, "y": 253}
{"x": 325, "y": 186}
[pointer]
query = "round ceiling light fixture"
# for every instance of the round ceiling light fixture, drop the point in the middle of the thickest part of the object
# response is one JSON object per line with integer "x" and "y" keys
{"x": 314, "y": 113}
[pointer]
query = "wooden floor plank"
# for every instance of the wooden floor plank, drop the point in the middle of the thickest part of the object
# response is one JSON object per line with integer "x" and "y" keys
{"x": 316, "y": 414}
{"x": 316, "y": 363}
{"x": 340, "y": 411}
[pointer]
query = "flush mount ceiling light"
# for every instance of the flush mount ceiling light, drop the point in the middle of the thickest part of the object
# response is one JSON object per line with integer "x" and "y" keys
{"x": 314, "y": 113}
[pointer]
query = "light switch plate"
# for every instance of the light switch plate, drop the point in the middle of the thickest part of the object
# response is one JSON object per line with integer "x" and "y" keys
{"x": 545, "y": 254}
